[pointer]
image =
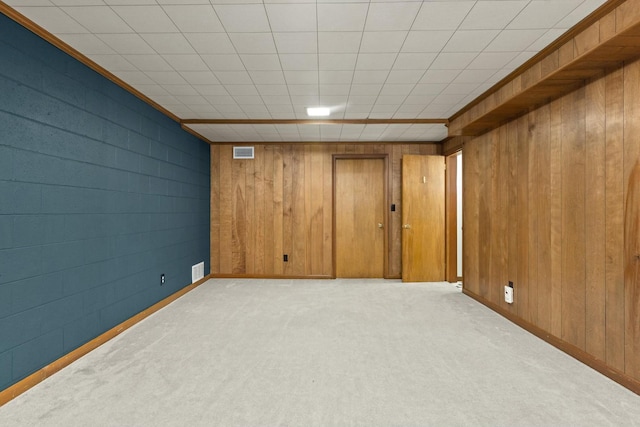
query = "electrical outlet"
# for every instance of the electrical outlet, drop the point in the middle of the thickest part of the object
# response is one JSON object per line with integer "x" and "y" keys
{"x": 162, "y": 279}
{"x": 508, "y": 294}
{"x": 285, "y": 258}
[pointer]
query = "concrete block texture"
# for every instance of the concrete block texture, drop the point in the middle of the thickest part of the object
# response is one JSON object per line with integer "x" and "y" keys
{"x": 91, "y": 180}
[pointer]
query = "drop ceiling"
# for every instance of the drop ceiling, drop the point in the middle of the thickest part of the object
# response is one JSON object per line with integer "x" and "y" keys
{"x": 389, "y": 70}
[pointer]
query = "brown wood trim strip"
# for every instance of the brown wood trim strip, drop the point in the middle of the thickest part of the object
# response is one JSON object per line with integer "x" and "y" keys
{"x": 249, "y": 143}
{"x": 573, "y": 351}
{"x": 41, "y": 32}
{"x": 196, "y": 134}
{"x": 267, "y": 276}
{"x": 20, "y": 387}
{"x": 596, "y": 15}
{"x": 312, "y": 122}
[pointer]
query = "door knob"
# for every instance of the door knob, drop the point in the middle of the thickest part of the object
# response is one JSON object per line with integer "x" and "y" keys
{"x": 406, "y": 226}
{"x": 380, "y": 225}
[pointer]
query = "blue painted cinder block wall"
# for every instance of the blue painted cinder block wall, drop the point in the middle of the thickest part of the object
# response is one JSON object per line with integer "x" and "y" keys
{"x": 99, "y": 195}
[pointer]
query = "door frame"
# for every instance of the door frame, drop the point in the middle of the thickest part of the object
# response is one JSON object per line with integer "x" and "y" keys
{"x": 385, "y": 196}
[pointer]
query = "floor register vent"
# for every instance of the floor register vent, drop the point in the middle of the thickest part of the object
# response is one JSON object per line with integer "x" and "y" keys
{"x": 243, "y": 152}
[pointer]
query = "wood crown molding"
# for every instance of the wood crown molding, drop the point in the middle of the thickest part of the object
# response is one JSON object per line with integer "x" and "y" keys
{"x": 25, "y": 384}
{"x": 41, "y": 32}
{"x": 313, "y": 121}
{"x": 603, "y": 10}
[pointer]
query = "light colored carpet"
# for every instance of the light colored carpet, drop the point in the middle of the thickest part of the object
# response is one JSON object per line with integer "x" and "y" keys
{"x": 325, "y": 353}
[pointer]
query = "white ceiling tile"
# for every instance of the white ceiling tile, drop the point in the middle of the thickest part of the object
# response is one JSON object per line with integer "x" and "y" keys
{"x": 405, "y": 76}
{"x": 113, "y": 62}
{"x": 492, "y": 60}
{"x": 186, "y": 62}
{"x": 460, "y": 88}
{"x": 452, "y": 61}
{"x": 16, "y": 3}
{"x": 223, "y": 62}
{"x": 578, "y": 13}
{"x": 382, "y": 41}
{"x": 192, "y": 100}
{"x": 242, "y": 90}
{"x": 276, "y": 99}
{"x": 209, "y": 89}
{"x": 205, "y": 43}
{"x": 428, "y": 88}
{"x": 98, "y": 19}
{"x": 391, "y": 16}
{"x": 335, "y": 77}
{"x": 301, "y": 77}
{"x": 166, "y": 77}
{"x": 492, "y": 14}
{"x": 514, "y": 40}
{"x": 396, "y": 89}
{"x": 413, "y": 61}
{"x": 473, "y": 76}
{"x": 426, "y": 41}
{"x": 339, "y": 42}
{"x": 164, "y": 99}
{"x": 370, "y": 76}
{"x": 127, "y": 44}
{"x": 442, "y": 15}
{"x": 129, "y": 2}
{"x": 450, "y": 98}
{"x": 286, "y": 110}
{"x": 341, "y": 16}
{"x": 334, "y": 89}
{"x": 166, "y": 43}
{"x": 420, "y": 100}
{"x": 146, "y": 19}
{"x": 304, "y": 89}
{"x": 362, "y": 99}
{"x": 267, "y": 77}
{"x": 194, "y": 18}
{"x": 439, "y": 76}
{"x": 519, "y": 59}
{"x": 366, "y": 89}
{"x": 253, "y": 42}
{"x": 181, "y": 89}
{"x": 375, "y": 61}
{"x": 267, "y": 62}
{"x": 149, "y": 62}
{"x": 394, "y": 100}
{"x": 52, "y": 19}
{"x": 199, "y": 77}
{"x": 251, "y": 18}
{"x": 470, "y": 41}
{"x": 543, "y": 14}
{"x": 333, "y": 100}
{"x": 88, "y": 44}
{"x": 299, "y": 61}
{"x": 233, "y": 77}
{"x": 248, "y": 99}
{"x": 337, "y": 61}
{"x": 292, "y": 17}
{"x": 224, "y": 100}
{"x": 301, "y": 42}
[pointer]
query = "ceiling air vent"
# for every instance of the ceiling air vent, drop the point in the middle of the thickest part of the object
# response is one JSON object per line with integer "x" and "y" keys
{"x": 243, "y": 152}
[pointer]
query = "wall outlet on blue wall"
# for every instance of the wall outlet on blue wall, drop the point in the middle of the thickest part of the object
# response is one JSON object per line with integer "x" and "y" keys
{"x": 162, "y": 279}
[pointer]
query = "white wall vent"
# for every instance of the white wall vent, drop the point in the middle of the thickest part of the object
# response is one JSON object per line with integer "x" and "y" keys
{"x": 243, "y": 152}
{"x": 197, "y": 272}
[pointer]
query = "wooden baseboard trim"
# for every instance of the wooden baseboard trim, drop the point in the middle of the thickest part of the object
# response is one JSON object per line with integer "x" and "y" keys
{"x": 573, "y": 351}
{"x": 266, "y": 276}
{"x": 21, "y": 386}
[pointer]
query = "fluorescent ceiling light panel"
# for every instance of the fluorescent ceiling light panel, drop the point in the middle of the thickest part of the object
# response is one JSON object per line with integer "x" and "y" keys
{"x": 318, "y": 111}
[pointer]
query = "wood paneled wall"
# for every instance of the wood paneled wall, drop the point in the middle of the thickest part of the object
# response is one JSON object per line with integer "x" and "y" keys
{"x": 552, "y": 203}
{"x": 281, "y": 203}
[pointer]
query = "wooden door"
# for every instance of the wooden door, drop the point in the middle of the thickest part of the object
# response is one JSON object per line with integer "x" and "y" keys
{"x": 423, "y": 218}
{"x": 359, "y": 217}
